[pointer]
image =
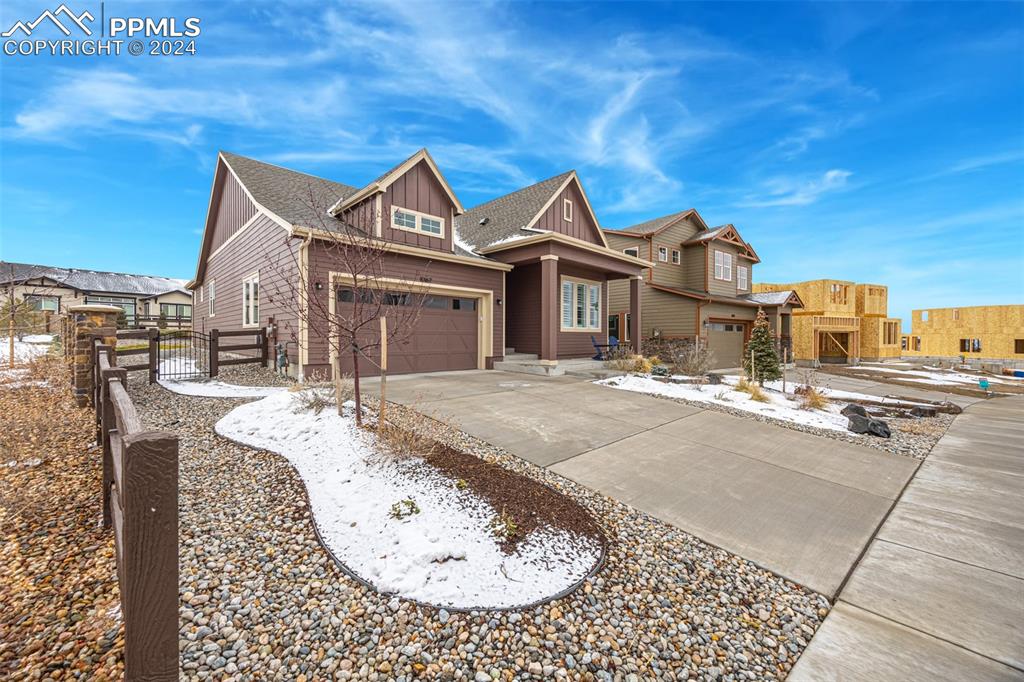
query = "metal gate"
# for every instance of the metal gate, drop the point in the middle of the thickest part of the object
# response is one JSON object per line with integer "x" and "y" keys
{"x": 183, "y": 354}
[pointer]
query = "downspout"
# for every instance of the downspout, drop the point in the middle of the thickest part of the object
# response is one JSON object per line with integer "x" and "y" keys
{"x": 303, "y": 317}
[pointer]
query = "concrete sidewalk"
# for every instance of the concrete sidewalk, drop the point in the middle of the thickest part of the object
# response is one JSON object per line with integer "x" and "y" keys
{"x": 801, "y": 505}
{"x": 940, "y": 593}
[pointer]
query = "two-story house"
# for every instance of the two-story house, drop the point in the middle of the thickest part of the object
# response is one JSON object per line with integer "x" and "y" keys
{"x": 699, "y": 286}
{"x": 529, "y": 270}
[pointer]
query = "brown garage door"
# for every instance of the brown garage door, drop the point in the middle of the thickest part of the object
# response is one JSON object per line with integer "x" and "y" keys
{"x": 726, "y": 341}
{"x": 444, "y": 336}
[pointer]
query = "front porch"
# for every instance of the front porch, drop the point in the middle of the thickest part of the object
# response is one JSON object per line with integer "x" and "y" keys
{"x": 556, "y": 302}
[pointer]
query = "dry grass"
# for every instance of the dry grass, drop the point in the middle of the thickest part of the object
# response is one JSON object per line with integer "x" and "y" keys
{"x": 632, "y": 363}
{"x": 813, "y": 399}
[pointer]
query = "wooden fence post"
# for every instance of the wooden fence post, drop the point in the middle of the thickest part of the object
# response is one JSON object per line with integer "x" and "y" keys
{"x": 149, "y": 588}
{"x": 264, "y": 355}
{"x": 108, "y": 423}
{"x": 214, "y": 352}
{"x": 154, "y": 354}
{"x": 383, "y": 372}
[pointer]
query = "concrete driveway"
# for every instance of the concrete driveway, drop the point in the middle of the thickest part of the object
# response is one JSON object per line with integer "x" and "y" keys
{"x": 800, "y": 505}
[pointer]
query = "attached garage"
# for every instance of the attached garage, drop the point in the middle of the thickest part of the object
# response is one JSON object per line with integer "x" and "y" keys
{"x": 727, "y": 340}
{"x": 444, "y": 337}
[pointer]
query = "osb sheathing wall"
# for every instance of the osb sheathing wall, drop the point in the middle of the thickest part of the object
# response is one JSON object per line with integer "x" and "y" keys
{"x": 820, "y": 315}
{"x": 997, "y": 326}
{"x": 873, "y": 344}
{"x": 872, "y": 300}
{"x": 816, "y": 295}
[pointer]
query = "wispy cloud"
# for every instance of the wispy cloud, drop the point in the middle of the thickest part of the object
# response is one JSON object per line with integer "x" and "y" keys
{"x": 979, "y": 162}
{"x": 787, "y": 191}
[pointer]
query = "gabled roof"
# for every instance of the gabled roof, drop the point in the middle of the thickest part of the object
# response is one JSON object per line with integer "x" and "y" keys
{"x": 656, "y": 225}
{"x": 503, "y": 219}
{"x": 726, "y": 233}
{"x": 91, "y": 280}
{"x": 787, "y": 297}
{"x": 286, "y": 193}
{"x": 385, "y": 181}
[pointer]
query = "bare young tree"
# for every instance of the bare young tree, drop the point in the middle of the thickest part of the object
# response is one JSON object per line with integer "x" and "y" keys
{"x": 347, "y": 291}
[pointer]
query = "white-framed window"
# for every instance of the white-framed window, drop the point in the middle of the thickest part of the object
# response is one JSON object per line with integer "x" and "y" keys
{"x": 251, "y": 300}
{"x": 567, "y": 209}
{"x": 211, "y": 297}
{"x": 414, "y": 221}
{"x": 723, "y": 266}
{"x": 581, "y": 305}
{"x": 632, "y": 251}
{"x": 43, "y": 303}
{"x": 201, "y": 290}
{"x": 663, "y": 254}
{"x": 675, "y": 256}
{"x": 741, "y": 277}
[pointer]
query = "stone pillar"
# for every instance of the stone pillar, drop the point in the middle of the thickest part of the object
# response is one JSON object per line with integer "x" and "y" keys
{"x": 89, "y": 322}
{"x": 550, "y": 298}
{"x": 635, "y": 324}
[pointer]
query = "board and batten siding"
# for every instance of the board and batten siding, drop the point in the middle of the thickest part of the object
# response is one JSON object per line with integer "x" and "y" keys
{"x": 418, "y": 189}
{"x": 581, "y": 226}
{"x": 263, "y": 248}
{"x": 522, "y": 309}
{"x": 234, "y": 208}
{"x": 412, "y": 269}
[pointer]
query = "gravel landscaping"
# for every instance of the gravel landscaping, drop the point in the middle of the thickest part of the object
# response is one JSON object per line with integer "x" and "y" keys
{"x": 261, "y": 597}
{"x": 910, "y": 437}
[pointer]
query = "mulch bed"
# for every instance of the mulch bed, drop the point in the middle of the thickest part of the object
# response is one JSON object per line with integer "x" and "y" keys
{"x": 531, "y": 504}
{"x": 59, "y": 600}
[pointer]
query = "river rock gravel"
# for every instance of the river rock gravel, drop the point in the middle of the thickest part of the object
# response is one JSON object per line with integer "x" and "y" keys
{"x": 260, "y": 597}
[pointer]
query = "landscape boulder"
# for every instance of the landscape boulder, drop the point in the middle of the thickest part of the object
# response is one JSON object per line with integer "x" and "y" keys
{"x": 862, "y": 424}
{"x": 714, "y": 379}
{"x": 854, "y": 408}
{"x": 923, "y": 411}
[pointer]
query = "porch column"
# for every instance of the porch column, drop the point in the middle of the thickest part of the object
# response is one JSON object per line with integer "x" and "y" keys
{"x": 634, "y": 313}
{"x": 550, "y": 298}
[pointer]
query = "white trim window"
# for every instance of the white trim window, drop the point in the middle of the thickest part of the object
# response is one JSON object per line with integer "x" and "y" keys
{"x": 567, "y": 210}
{"x": 633, "y": 251}
{"x": 211, "y": 296}
{"x": 581, "y": 305}
{"x": 723, "y": 266}
{"x": 414, "y": 221}
{"x": 251, "y": 300}
{"x": 663, "y": 254}
{"x": 675, "y": 257}
{"x": 741, "y": 278}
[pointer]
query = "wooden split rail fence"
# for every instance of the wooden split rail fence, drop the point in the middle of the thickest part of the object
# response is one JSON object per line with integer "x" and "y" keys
{"x": 140, "y": 502}
{"x": 154, "y": 337}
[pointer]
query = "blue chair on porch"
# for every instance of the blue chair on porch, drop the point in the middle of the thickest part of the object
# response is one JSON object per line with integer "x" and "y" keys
{"x": 603, "y": 348}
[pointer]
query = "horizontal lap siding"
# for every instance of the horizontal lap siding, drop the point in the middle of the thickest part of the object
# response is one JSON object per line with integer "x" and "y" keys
{"x": 399, "y": 266}
{"x": 675, "y": 316}
{"x": 667, "y": 273}
{"x": 719, "y": 287}
{"x": 578, "y": 344}
{"x": 522, "y": 309}
{"x": 723, "y": 311}
{"x": 581, "y": 226}
{"x": 419, "y": 190}
{"x": 265, "y": 248}
{"x": 233, "y": 209}
{"x": 694, "y": 267}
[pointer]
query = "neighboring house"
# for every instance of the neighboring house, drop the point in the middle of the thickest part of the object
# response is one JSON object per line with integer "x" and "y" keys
{"x": 990, "y": 332}
{"x": 527, "y": 271}
{"x": 699, "y": 286}
{"x": 142, "y": 297}
{"x": 841, "y": 322}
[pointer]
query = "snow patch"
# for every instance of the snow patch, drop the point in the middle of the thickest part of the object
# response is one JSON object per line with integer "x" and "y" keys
{"x": 209, "y": 388}
{"x": 445, "y": 554}
{"x": 26, "y": 349}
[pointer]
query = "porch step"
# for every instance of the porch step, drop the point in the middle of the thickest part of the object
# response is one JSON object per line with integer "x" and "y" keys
{"x": 589, "y": 369}
{"x": 530, "y": 366}
{"x": 520, "y": 357}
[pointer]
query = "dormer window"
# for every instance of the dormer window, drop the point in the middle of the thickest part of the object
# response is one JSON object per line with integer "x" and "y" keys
{"x": 567, "y": 209}
{"x": 663, "y": 254}
{"x": 414, "y": 221}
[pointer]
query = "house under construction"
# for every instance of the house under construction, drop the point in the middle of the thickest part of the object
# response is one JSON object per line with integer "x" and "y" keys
{"x": 842, "y": 322}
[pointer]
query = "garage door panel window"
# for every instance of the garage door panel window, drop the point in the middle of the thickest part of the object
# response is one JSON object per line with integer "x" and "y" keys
{"x": 581, "y": 305}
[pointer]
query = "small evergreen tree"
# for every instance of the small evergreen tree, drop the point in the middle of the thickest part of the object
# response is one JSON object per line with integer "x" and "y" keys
{"x": 761, "y": 349}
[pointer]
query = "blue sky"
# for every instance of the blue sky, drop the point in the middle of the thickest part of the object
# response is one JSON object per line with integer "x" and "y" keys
{"x": 872, "y": 142}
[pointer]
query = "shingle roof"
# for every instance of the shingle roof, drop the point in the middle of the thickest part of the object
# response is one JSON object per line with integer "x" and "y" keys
{"x": 710, "y": 234}
{"x": 655, "y": 224}
{"x": 768, "y": 297}
{"x": 91, "y": 280}
{"x": 506, "y": 215}
{"x": 298, "y": 198}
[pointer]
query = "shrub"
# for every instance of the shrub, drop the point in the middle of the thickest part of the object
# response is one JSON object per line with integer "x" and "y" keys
{"x": 757, "y": 394}
{"x": 503, "y": 526}
{"x": 315, "y": 397}
{"x": 813, "y": 399}
{"x": 404, "y": 509}
{"x": 692, "y": 357}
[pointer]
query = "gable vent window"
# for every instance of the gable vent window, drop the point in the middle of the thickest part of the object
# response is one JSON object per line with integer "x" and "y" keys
{"x": 723, "y": 266}
{"x": 567, "y": 209}
{"x": 414, "y": 221}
